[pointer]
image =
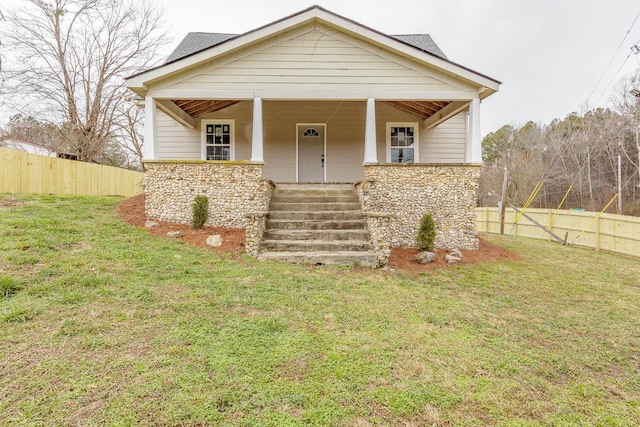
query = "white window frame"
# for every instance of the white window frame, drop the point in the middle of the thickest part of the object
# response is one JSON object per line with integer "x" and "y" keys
{"x": 416, "y": 139}
{"x": 232, "y": 139}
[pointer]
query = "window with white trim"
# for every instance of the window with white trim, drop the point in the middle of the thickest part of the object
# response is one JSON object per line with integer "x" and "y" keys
{"x": 218, "y": 139}
{"x": 402, "y": 142}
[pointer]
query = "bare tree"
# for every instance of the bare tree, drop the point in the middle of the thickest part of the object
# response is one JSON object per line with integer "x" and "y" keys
{"x": 131, "y": 132}
{"x": 66, "y": 60}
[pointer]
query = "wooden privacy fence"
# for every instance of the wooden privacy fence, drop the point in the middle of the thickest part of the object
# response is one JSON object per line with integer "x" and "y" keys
{"x": 612, "y": 233}
{"x": 31, "y": 173}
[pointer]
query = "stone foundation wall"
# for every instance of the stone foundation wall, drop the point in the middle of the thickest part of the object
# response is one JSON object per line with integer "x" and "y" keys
{"x": 409, "y": 191}
{"x": 234, "y": 189}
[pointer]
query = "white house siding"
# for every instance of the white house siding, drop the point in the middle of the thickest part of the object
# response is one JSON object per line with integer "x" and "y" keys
{"x": 314, "y": 58}
{"x": 174, "y": 141}
{"x": 27, "y": 147}
{"x": 446, "y": 143}
{"x": 178, "y": 142}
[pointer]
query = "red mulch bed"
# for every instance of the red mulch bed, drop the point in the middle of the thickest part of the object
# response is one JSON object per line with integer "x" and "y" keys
{"x": 402, "y": 258}
{"x": 132, "y": 211}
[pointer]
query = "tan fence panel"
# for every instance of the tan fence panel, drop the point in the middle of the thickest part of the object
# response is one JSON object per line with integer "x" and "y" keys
{"x": 31, "y": 173}
{"x": 612, "y": 233}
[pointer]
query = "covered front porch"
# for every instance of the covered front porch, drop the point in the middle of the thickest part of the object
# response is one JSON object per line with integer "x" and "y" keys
{"x": 314, "y": 140}
{"x": 404, "y": 157}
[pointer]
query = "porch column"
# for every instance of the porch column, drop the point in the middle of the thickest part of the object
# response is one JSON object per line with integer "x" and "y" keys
{"x": 370, "y": 151}
{"x": 150, "y": 147}
{"x": 257, "y": 150}
{"x": 474, "y": 140}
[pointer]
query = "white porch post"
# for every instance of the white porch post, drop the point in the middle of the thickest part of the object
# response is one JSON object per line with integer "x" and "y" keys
{"x": 257, "y": 150}
{"x": 370, "y": 150}
{"x": 150, "y": 146}
{"x": 474, "y": 139}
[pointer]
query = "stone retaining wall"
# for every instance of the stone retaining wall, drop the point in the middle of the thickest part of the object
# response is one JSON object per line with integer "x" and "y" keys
{"x": 409, "y": 191}
{"x": 234, "y": 189}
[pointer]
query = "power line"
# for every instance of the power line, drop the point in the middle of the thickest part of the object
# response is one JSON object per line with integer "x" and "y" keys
{"x": 613, "y": 79}
{"x": 613, "y": 57}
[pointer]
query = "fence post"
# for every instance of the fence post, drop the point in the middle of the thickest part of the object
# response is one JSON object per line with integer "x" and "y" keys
{"x": 598, "y": 234}
{"x": 486, "y": 220}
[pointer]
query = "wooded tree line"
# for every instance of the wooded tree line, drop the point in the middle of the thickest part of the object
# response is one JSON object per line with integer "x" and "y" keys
{"x": 63, "y": 70}
{"x": 580, "y": 150}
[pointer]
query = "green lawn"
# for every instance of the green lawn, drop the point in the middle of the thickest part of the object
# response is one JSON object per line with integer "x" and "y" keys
{"x": 104, "y": 324}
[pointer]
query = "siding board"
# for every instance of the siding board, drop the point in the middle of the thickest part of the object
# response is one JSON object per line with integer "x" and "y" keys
{"x": 314, "y": 60}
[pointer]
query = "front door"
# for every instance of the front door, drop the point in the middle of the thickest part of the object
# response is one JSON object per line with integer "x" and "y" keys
{"x": 311, "y": 152}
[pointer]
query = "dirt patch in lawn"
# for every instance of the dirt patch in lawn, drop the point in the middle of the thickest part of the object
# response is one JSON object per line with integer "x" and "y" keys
{"x": 10, "y": 202}
{"x": 132, "y": 211}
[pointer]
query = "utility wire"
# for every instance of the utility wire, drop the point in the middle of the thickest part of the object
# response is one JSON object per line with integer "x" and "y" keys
{"x": 613, "y": 79}
{"x": 612, "y": 58}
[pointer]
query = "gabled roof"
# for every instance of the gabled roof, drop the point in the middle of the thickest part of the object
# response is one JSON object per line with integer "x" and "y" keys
{"x": 416, "y": 47}
{"x": 196, "y": 42}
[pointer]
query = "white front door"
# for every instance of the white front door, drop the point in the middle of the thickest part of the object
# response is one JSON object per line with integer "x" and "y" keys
{"x": 311, "y": 152}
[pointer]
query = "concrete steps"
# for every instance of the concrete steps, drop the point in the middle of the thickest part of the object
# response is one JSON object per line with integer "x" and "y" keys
{"x": 365, "y": 259}
{"x": 317, "y": 224}
{"x": 316, "y": 235}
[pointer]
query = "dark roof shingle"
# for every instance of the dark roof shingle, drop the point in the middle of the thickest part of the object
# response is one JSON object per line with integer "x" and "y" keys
{"x": 196, "y": 42}
{"x": 422, "y": 42}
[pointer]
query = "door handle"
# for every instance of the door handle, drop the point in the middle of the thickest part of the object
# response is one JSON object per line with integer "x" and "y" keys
{"x": 322, "y": 160}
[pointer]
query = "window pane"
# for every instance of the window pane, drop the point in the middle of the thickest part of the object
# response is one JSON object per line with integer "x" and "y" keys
{"x": 394, "y": 131}
{"x": 209, "y": 139}
{"x": 407, "y": 155}
{"x": 395, "y": 155}
{"x": 394, "y": 141}
{"x": 209, "y": 128}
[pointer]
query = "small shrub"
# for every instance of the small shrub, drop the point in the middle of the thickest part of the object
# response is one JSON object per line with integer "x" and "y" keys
{"x": 427, "y": 233}
{"x": 8, "y": 286}
{"x": 200, "y": 211}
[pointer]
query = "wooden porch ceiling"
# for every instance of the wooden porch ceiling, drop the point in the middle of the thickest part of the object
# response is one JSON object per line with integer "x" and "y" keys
{"x": 196, "y": 108}
{"x": 422, "y": 109}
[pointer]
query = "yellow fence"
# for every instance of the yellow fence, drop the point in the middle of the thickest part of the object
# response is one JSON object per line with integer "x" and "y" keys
{"x": 612, "y": 233}
{"x": 31, "y": 173}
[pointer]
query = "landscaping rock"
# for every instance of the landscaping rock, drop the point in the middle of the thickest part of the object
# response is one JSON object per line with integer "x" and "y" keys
{"x": 150, "y": 224}
{"x": 450, "y": 259}
{"x": 456, "y": 252}
{"x": 174, "y": 234}
{"x": 424, "y": 257}
{"x": 214, "y": 240}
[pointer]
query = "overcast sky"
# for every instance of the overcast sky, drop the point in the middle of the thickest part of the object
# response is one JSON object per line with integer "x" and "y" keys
{"x": 549, "y": 54}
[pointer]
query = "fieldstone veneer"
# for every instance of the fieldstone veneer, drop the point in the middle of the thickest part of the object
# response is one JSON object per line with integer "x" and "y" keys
{"x": 409, "y": 191}
{"x": 234, "y": 189}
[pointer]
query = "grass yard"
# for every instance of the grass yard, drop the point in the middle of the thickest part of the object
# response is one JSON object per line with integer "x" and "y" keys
{"x": 104, "y": 324}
